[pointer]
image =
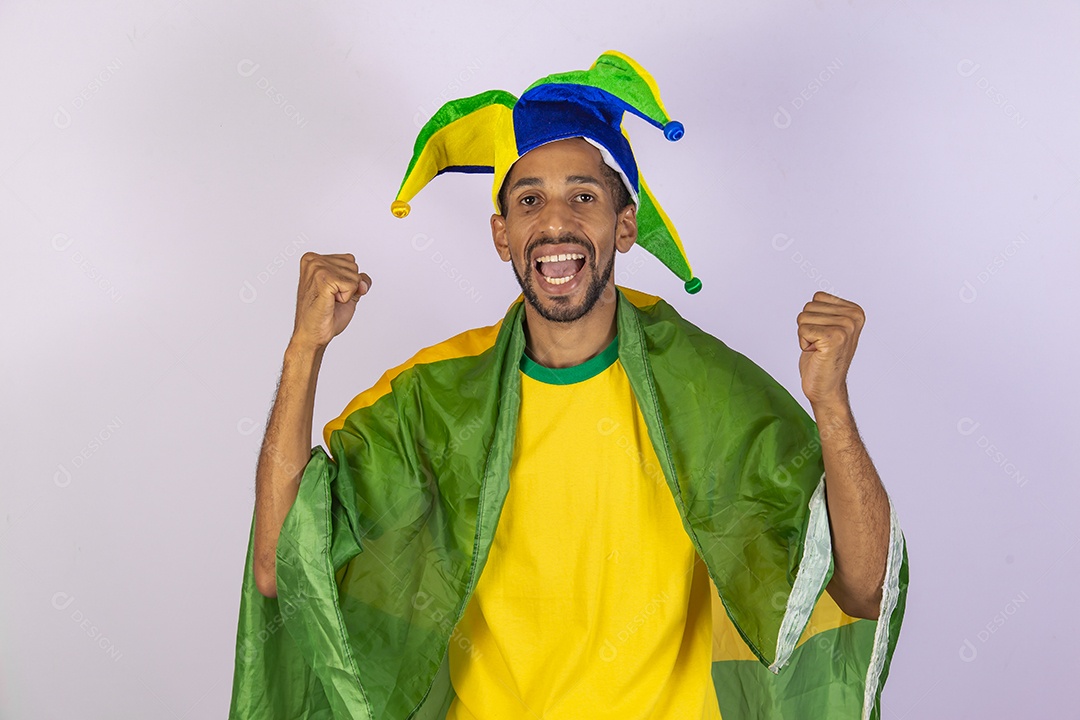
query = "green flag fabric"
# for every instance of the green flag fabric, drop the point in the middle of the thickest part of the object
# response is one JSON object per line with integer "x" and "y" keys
{"x": 385, "y": 542}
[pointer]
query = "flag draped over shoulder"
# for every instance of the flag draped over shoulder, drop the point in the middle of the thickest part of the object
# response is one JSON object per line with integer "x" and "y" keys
{"x": 385, "y": 543}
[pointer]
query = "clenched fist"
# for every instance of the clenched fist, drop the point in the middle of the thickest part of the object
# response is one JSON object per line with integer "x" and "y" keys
{"x": 829, "y": 329}
{"x": 330, "y": 286}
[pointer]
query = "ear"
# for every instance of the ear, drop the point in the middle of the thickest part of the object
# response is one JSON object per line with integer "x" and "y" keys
{"x": 498, "y": 235}
{"x": 626, "y": 228}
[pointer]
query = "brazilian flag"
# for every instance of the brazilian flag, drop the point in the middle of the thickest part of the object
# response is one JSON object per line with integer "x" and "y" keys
{"x": 384, "y": 545}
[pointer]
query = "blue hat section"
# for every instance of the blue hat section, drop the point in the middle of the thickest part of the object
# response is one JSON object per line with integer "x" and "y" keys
{"x": 558, "y": 111}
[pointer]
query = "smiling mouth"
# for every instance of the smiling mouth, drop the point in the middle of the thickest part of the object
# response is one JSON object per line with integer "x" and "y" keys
{"x": 560, "y": 269}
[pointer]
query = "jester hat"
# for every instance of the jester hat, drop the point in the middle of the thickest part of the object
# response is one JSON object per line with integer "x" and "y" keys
{"x": 489, "y": 132}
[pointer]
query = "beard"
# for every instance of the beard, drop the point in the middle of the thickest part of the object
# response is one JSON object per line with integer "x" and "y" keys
{"x": 564, "y": 311}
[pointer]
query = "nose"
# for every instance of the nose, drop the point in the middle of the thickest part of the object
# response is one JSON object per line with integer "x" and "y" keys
{"x": 557, "y": 217}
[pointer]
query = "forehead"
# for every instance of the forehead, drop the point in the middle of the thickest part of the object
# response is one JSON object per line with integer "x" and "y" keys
{"x": 562, "y": 157}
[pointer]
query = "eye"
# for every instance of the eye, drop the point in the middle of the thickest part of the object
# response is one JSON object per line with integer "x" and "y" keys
{"x": 585, "y": 197}
{"x": 528, "y": 200}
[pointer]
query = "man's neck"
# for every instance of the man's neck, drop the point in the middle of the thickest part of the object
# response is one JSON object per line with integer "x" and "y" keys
{"x": 566, "y": 344}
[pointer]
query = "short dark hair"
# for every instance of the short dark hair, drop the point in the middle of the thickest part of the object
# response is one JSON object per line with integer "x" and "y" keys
{"x": 619, "y": 192}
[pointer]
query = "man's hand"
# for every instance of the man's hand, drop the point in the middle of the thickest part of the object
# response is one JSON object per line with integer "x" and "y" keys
{"x": 829, "y": 330}
{"x": 859, "y": 511}
{"x": 326, "y": 299}
{"x": 330, "y": 286}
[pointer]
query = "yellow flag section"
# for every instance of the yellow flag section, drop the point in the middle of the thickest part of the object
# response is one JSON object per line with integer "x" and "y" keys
{"x": 727, "y": 645}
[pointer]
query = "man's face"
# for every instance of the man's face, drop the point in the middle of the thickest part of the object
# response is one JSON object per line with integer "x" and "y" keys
{"x": 561, "y": 228}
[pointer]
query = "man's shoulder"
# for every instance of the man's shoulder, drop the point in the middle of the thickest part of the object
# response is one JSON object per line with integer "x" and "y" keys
{"x": 680, "y": 351}
{"x": 441, "y": 367}
{"x": 663, "y": 324}
{"x": 470, "y": 343}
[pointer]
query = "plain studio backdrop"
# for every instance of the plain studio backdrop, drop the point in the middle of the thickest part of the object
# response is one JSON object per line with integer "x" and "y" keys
{"x": 163, "y": 165}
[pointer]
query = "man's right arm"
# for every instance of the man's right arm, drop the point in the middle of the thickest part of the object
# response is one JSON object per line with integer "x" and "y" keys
{"x": 330, "y": 286}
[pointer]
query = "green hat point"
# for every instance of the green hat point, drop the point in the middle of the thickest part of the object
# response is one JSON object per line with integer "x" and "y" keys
{"x": 692, "y": 285}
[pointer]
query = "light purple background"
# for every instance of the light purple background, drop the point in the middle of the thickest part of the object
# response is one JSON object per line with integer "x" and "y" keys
{"x": 923, "y": 162}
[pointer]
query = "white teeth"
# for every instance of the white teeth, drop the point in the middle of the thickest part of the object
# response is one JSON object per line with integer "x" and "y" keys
{"x": 561, "y": 258}
{"x": 560, "y": 281}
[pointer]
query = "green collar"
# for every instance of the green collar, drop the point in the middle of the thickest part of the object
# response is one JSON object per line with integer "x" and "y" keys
{"x": 570, "y": 375}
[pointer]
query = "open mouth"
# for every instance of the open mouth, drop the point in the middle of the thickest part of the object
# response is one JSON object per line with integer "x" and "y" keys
{"x": 559, "y": 269}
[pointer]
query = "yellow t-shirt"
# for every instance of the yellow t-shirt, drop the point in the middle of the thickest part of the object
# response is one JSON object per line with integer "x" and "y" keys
{"x": 593, "y": 602}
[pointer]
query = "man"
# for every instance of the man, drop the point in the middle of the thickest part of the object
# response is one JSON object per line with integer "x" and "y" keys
{"x": 590, "y": 409}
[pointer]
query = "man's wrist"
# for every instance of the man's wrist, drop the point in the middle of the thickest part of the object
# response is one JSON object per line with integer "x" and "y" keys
{"x": 833, "y": 416}
{"x": 299, "y": 351}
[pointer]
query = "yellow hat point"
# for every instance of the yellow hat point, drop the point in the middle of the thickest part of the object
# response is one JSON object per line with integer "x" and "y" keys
{"x": 400, "y": 208}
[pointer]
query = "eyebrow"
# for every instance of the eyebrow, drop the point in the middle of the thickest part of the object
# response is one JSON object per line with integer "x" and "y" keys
{"x": 570, "y": 180}
{"x": 527, "y": 182}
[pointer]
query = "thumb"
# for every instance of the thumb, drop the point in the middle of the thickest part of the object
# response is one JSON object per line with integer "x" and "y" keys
{"x": 362, "y": 287}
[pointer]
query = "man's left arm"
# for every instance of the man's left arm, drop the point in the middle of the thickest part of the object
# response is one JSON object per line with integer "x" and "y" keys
{"x": 859, "y": 514}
